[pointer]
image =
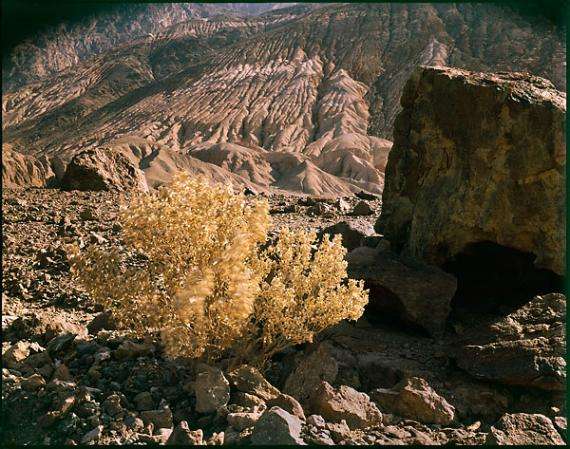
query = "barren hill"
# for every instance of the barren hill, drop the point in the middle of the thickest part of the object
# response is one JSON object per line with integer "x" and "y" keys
{"x": 301, "y": 98}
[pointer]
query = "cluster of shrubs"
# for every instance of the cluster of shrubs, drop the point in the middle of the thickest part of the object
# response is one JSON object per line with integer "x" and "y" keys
{"x": 197, "y": 267}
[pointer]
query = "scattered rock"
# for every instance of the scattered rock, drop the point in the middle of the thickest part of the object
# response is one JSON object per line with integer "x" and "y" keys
{"x": 345, "y": 403}
{"x": 415, "y": 399}
{"x": 33, "y": 382}
{"x": 313, "y": 368}
{"x": 103, "y": 321}
{"x": 241, "y": 421}
{"x": 159, "y": 418}
{"x": 131, "y": 350}
{"x": 561, "y": 425}
{"x": 249, "y": 380}
{"x": 112, "y": 405}
{"x": 212, "y": 389}
{"x": 92, "y": 435}
{"x": 183, "y": 436}
{"x": 289, "y": 404}
{"x": 523, "y": 429}
{"x": 144, "y": 401}
{"x": 248, "y": 401}
{"x": 352, "y": 234}
{"x": 362, "y": 208}
{"x": 276, "y": 426}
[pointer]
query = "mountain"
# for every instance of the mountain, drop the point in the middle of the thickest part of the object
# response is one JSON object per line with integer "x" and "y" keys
{"x": 300, "y": 97}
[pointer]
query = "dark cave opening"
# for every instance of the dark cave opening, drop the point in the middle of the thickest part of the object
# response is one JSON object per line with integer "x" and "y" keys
{"x": 386, "y": 309}
{"x": 496, "y": 279}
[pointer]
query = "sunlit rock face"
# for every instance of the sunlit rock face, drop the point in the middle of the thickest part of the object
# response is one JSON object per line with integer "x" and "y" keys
{"x": 477, "y": 157}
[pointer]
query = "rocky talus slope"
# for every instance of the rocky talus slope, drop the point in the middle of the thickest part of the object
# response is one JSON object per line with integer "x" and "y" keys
{"x": 70, "y": 377}
{"x": 305, "y": 95}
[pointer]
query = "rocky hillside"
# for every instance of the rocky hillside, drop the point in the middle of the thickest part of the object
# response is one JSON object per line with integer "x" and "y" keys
{"x": 300, "y": 98}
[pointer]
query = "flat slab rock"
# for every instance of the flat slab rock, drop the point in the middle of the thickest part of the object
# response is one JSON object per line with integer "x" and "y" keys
{"x": 412, "y": 290}
{"x": 525, "y": 348}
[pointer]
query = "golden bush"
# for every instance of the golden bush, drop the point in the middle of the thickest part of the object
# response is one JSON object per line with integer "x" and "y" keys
{"x": 192, "y": 268}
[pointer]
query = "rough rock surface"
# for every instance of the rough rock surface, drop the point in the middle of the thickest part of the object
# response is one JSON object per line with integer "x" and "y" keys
{"x": 526, "y": 347}
{"x": 413, "y": 398}
{"x": 412, "y": 290}
{"x": 345, "y": 403}
{"x": 103, "y": 169}
{"x": 352, "y": 237}
{"x": 276, "y": 426}
{"x": 477, "y": 157}
{"x": 25, "y": 170}
{"x": 522, "y": 428}
{"x": 212, "y": 389}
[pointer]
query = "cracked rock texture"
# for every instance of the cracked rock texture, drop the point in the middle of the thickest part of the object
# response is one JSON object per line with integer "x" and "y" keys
{"x": 490, "y": 147}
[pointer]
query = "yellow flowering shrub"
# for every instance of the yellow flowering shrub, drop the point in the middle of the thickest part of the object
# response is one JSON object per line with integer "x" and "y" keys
{"x": 192, "y": 268}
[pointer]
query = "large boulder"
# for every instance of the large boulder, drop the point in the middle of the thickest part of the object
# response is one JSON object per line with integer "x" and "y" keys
{"x": 103, "y": 169}
{"x": 477, "y": 157}
{"x": 416, "y": 292}
{"x": 525, "y": 348}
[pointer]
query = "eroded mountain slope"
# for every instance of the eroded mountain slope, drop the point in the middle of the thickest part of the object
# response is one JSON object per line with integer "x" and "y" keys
{"x": 318, "y": 83}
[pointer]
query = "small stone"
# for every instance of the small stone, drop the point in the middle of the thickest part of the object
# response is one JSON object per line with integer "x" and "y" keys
{"x": 159, "y": 418}
{"x": 87, "y": 214}
{"x": 339, "y": 431}
{"x": 316, "y": 420}
{"x": 249, "y": 380}
{"x": 345, "y": 403}
{"x": 144, "y": 401}
{"x": 134, "y": 423}
{"x": 212, "y": 390}
{"x": 289, "y": 404}
{"x": 163, "y": 435}
{"x": 276, "y": 426}
{"x": 66, "y": 405}
{"x": 62, "y": 373}
{"x": 97, "y": 238}
{"x": 362, "y": 208}
{"x": 217, "y": 439}
{"x": 102, "y": 321}
{"x": 92, "y": 435}
{"x": 131, "y": 350}
{"x": 413, "y": 398}
{"x": 523, "y": 429}
{"x": 182, "y": 435}
{"x": 241, "y": 421}
{"x": 248, "y": 401}
{"x": 366, "y": 196}
{"x": 33, "y": 382}
{"x": 112, "y": 405}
